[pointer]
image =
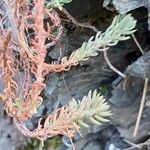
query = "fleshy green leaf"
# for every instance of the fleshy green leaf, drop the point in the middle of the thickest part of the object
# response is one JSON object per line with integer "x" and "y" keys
{"x": 91, "y": 109}
{"x": 120, "y": 30}
{"x": 57, "y": 3}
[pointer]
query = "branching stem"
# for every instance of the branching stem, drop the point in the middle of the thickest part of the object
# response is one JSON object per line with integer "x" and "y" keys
{"x": 111, "y": 66}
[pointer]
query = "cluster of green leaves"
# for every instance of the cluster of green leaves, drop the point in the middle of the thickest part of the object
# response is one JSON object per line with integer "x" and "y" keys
{"x": 120, "y": 30}
{"x": 53, "y": 143}
{"x": 57, "y": 3}
{"x": 91, "y": 109}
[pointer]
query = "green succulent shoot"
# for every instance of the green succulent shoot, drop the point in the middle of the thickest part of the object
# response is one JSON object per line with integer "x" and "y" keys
{"x": 91, "y": 109}
{"x": 57, "y": 3}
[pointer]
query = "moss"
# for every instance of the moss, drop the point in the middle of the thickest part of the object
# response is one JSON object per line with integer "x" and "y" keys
{"x": 32, "y": 144}
{"x": 103, "y": 89}
{"x": 53, "y": 143}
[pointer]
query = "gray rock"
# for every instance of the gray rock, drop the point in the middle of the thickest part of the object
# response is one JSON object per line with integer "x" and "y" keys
{"x": 51, "y": 85}
{"x": 93, "y": 145}
{"x": 126, "y": 92}
{"x": 33, "y": 122}
{"x": 91, "y": 141}
{"x": 141, "y": 67}
{"x": 143, "y": 132}
{"x": 116, "y": 143}
{"x": 124, "y": 6}
{"x": 80, "y": 8}
{"x": 10, "y": 138}
{"x": 1, "y": 84}
{"x": 149, "y": 17}
{"x": 6, "y": 21}
{"x": 125, "y": 118}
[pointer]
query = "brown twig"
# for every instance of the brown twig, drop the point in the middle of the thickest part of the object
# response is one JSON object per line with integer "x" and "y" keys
{"x": 138, "y": 145}
{"x": 141, "y": 108}
{"x": 73, "y": 147}
{"x": 111, "y": 66}
{"x": 78, "y": 23}
{"x": 144, "y": 92}
{"x": 41, "y": 145}
{"x": 69, "y": 94}
{"x": 137, "y": 43}
{"x": 132, "y": 144}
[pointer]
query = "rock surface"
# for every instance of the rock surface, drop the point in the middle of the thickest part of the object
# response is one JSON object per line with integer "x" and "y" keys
{"x": 126, "y": 92}
{"x": 10, "y": 138}
{"x": 124, "y": 97}
{"x": 123, "y": 6}
{"x": 141, "y": 67}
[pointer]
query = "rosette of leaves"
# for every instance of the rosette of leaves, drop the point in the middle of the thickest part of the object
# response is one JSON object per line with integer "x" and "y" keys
{"x": 57, "y": 3}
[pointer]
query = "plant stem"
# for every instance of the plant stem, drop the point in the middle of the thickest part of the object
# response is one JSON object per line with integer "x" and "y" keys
{"x": 141, "y": 108}
{"x": 111, "y": 66}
